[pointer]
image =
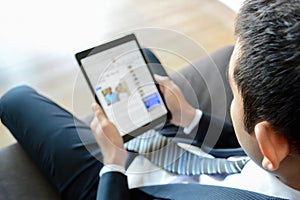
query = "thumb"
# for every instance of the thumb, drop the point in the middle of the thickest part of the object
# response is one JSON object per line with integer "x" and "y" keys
{"x": 98, "y": 112}
{"x": 161, "y": 80}
{"x": 164, "y": 82}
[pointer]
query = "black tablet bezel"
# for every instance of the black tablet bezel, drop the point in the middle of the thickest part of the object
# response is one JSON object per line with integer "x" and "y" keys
{"x": 89, "y": 52}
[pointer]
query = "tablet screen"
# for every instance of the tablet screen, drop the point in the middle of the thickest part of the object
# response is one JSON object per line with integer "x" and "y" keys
{"x": 124, "y": 86}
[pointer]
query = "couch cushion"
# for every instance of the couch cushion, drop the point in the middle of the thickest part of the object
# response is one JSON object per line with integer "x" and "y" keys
{"x": 20, "y": 178}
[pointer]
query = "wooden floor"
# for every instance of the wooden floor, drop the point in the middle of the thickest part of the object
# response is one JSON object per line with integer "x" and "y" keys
{"x": 38, "y": 40}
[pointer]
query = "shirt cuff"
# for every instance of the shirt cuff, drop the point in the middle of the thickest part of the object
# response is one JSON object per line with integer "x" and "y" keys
{"x": 193, "y": 124}
{"x": 112, "y": 168}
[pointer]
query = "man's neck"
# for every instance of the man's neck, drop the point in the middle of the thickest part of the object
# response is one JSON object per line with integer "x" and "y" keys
{"x": 289, "y": 172}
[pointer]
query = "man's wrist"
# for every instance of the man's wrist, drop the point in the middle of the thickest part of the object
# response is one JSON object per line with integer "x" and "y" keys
{"x": 188, "y": 117}
{"x": 116, "y": 158}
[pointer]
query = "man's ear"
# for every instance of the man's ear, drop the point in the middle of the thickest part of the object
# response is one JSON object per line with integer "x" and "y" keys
{"x": 273, "y": 146}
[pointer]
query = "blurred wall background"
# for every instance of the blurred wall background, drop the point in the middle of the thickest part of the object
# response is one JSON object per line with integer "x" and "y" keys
{"x": 39, "y": 39}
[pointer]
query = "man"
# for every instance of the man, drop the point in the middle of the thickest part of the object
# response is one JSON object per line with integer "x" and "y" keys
{"x": 264, "y": 77}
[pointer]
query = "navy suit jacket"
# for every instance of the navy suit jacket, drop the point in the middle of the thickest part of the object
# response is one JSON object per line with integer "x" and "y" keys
{"x": 113, "y": 185}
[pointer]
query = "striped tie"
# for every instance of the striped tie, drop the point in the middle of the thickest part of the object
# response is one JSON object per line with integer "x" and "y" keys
{"x": 165, "y": 153}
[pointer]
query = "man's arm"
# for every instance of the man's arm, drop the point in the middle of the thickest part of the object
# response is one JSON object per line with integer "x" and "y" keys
{"x": 113, "y": 186}
{"x": 183, "y": 114}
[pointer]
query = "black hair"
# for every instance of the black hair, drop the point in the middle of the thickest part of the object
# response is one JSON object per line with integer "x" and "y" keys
{"x": 267, "y": 71}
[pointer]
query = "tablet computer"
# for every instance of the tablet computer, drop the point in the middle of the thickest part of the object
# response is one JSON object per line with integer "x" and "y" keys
{"x": 121, "y": 80}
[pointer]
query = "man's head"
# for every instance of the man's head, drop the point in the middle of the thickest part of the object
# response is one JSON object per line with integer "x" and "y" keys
{"x": 265, "y": 78}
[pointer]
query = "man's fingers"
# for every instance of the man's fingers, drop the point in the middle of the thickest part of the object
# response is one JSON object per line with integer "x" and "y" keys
{"x": 100, "y": 123}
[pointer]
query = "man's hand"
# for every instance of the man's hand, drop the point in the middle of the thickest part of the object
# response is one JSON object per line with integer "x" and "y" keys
{"x": 108, "y": 138}
{"x": 182, "y": 112}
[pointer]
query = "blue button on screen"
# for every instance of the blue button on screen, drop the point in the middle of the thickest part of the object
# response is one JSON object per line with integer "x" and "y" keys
{"x": 151, "y": 101}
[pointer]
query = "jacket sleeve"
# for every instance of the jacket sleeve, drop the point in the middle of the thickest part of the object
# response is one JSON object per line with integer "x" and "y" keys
{"x": 212, "y": 129}
{"x": 113, "y": 186}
